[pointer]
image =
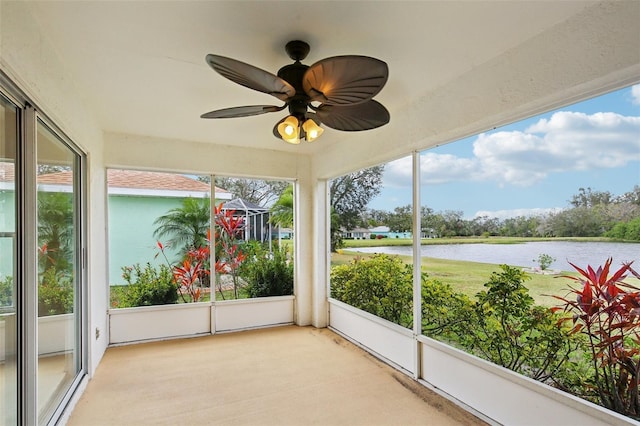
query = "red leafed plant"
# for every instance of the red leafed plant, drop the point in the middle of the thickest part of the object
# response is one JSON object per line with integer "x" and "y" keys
{"x": 606, "y": 309}
{"x": 192, "y": 273}
{"x": 228, "y": 254}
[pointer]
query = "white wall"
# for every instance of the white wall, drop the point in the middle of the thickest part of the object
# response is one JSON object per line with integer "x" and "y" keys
{"x": 32, "y": 64}
{"x": 143, "y": 152}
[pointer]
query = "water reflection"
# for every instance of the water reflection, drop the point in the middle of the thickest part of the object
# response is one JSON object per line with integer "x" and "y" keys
{"x": 525, "y": 254}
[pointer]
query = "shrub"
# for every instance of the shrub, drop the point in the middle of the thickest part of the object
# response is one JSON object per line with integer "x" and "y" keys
{"x": 604, "y": 310}
{"x": 148, "y": 286}
{"x": 502, "y": 326}
{"x": 511, "y": 331}
{"x": 55, "y": 293}
{"x": 6, "y": 291}
{"x": 268, "y": 274}
{"x": 545, "y": 260}
{"x": 629, "y": 231}
{"x": 445, "y": 313}
{"x": 380, "y": 285}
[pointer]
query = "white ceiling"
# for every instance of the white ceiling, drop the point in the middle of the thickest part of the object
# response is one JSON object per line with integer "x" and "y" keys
{"x": 141, "y": 65}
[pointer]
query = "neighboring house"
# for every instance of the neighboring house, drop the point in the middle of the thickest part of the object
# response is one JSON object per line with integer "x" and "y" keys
{"x": 386, "y": 233}
{"x": 135, "y": 199}
{"x": 383, "y": 231}
{"x": 356, "y": 234}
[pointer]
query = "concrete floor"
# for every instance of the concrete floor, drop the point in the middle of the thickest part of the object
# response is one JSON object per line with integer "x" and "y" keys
{"x": 278, "y": 376}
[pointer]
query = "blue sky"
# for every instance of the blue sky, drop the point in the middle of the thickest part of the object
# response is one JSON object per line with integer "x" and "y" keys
{"x": 529, "y": 167}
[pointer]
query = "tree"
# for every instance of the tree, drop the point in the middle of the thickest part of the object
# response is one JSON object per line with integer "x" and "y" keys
{"x": 453, "y": 224}
{"x": 577, "y": 222}
{"x": 401, "y": 220}
{"x": 631, "y": 197}
{"x": 260, "y": 192}
{"x": 350, "y": 194}
{"x": 55, "y": 230}
{"x": 590, "y": 198}
{"x": 374, "y": 217}
{"x": 521, "y": 226}
{"x": 282, "y": 210}
{"x": 482, "y": 225}
{"x": 186, "y": 227}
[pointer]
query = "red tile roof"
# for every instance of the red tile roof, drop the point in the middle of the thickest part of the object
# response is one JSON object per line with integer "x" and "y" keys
{"x": 155, "y": 180}
{"x": 7, "y": 172}
{"x": 117, "y": 178}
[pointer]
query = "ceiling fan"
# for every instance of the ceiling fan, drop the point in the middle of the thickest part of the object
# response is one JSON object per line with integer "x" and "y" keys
{"x": 335, "y": 91}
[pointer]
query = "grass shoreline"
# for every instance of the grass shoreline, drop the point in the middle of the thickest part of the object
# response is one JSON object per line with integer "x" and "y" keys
{"x": 472, "y": 240}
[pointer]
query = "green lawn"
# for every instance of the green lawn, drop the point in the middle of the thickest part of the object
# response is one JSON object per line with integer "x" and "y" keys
{"x": 470, "y": 277}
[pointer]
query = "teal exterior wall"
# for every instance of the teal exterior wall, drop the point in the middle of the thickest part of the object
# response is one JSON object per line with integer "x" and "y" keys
{"x": 131, "y": 229}
{"x": 130, "y": 233}
{"x": 7, "y": 225}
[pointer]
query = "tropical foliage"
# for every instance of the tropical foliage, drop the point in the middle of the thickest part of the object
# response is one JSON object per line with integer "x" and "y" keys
{"x": 267, "y": 273}
{"x": 282, "y": 210}
{"x": 55, "y": 231}
{"x": 147, "y": 285}
{"x": 55, "y": 263}
{"x": 381, "y": 285}
{"x": 606, "y": 310}
{"x": 185, "y": 228}
{"x": 229, "y": 256}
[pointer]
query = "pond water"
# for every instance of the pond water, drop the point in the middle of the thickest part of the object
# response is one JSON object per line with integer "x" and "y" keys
{"x": 526, "y": 254}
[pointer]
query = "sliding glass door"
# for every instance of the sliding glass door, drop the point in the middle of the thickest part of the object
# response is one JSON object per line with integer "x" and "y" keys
{"x": 59, "y": 270}
{"x": 8, "y": 313}
{"x": 42, "y": 233}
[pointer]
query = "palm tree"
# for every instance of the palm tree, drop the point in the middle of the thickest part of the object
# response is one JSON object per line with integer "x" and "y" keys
{"x": 55, "y": 230}
{"x": 282, "y": 210}
{"x": 186, "y": 227}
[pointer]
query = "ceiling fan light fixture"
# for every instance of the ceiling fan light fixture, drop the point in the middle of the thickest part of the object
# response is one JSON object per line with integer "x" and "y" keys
{"x": 289, "y": 130}
{"x": 311, "y": 130}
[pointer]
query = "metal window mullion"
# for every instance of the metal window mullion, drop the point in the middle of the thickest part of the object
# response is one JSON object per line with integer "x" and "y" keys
{"x": 28, "y": 270}
{"x": 213, "y": 276}
{"x": 417, "y": 265}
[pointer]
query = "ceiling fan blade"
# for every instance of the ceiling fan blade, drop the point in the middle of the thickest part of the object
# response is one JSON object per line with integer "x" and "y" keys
{"x": 251, "y": 77}
{"x": 353, "y": 118}
{"x": 345, "y": 80}
{"x": 243, "y": 111}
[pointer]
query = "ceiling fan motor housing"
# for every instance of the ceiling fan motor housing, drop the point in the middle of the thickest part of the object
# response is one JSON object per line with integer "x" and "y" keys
{"x": 293, "y": 74}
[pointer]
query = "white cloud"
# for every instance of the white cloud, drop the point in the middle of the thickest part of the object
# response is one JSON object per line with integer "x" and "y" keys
{"x": 635, "y": 94}
{"x": 506, "y": 214}
{"x": 441, "y": 168}
{"x": 567, "y": 141}
{"x": 398, "y": 173}
{"x": 434, "y": 168}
